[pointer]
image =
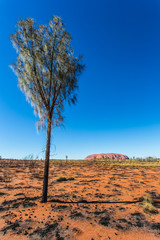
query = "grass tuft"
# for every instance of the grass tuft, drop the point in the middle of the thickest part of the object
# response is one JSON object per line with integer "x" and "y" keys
{"x": 62, "y": 179}
{"x": 71, "y": 178}
{"x": 148, "y": 205}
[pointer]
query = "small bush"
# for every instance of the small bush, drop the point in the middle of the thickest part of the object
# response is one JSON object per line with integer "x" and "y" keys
{"x": 147, "y": 199}
{"x": 61, "y": 179}
{"x": 71, "y": 178}
{"x": 148, "y": 205}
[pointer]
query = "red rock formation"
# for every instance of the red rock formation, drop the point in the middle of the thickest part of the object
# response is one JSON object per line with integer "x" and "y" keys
{"x": 106, "y": 155}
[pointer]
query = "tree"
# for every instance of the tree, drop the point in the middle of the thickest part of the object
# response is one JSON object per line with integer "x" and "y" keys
{"x": 47, "y": 73}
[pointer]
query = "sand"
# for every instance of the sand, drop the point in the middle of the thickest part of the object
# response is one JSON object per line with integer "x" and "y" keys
{"x": 101, "y": 203}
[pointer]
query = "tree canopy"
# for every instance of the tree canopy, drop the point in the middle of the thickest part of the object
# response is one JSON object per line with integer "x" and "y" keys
{"x": 46, "y": 68}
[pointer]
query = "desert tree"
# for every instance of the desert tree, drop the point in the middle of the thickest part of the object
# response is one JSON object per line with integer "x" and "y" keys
{"x": 47, "y": 73}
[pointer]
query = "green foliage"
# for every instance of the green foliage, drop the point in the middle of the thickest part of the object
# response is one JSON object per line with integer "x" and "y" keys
{"x": 138, "y": 162}
{"x": 46, "y": 69}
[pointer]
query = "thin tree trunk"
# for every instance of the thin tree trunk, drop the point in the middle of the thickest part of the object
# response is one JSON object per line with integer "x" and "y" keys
{"x": 46, "y": 167}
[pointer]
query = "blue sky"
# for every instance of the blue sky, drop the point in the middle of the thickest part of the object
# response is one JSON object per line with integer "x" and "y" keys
{"x": 118, "y": 107}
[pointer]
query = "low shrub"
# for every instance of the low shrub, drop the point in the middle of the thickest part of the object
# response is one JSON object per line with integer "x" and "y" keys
{"x": 61, "y": 179}
{"x": 148, "y": 205}
{"x": 70, "y": 178}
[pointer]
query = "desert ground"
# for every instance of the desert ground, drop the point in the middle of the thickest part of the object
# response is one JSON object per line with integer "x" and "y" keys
{"x": 87, "y": 200}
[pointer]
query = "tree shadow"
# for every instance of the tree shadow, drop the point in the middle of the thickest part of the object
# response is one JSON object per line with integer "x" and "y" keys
{"x": 93, "y": 202}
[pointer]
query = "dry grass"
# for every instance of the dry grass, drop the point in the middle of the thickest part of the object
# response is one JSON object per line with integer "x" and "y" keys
{"x": 148, "y": 205}
{"x": 62, "y": 179}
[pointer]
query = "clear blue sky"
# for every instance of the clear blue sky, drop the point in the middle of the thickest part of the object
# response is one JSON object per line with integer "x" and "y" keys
{"x": 118, "y": 108}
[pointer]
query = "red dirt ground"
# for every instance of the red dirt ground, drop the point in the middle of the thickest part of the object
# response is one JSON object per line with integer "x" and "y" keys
{"x": 77, "y": 216}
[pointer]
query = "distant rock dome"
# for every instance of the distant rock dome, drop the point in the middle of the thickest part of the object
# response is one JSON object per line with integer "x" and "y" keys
{"x": 106, "y": 155}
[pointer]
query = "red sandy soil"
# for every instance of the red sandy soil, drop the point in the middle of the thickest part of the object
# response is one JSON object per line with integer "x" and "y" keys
{"x": 77, "y": 216}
